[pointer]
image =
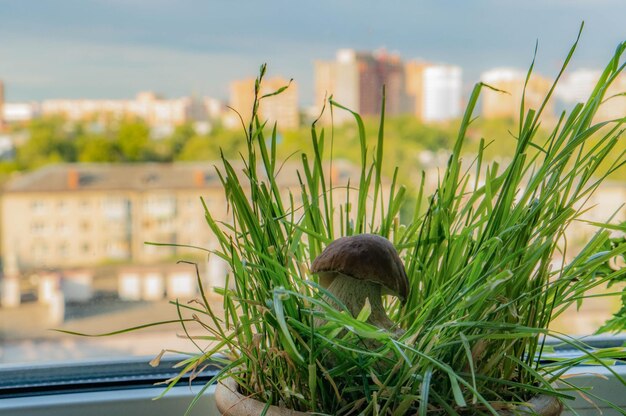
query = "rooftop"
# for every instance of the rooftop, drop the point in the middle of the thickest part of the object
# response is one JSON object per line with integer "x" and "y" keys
{"x": 86, "y": 177}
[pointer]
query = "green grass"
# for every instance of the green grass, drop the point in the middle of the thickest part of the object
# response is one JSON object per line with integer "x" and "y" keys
{"x": 478, "y": 253}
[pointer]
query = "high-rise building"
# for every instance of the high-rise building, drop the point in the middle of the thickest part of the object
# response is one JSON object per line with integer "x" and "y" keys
{"x": 356, "y": 80}
{"x": 242, "y": 97}
{"x": 434, "y": 90}
{"x": 414, "y": 72}
{"x": 578, "y": 86}
{"x": 339, "y": 79}
{"x": 378, "y": 70}
{"x": 282, "y": 108}
{"x": 507, "y": 104}
{"x": 442, "y": 92}
{"x": 1, "y": 105}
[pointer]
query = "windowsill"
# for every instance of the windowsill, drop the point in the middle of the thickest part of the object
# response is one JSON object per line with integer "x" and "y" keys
{"x": 59, "y": 378}
{"x": 140, "y": 401}
{"x": 128, "y": 387}
{"x": 102, "y": 387}
{"x": 132, "y": 401}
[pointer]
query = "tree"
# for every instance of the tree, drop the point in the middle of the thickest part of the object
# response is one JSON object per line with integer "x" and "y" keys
{"x": 197, "y": 148}
{"x": 177, "y": 141}
{"x": 133, "y": 140}
{"x": 97, "y": 148}
{"x": 49, "y": 141}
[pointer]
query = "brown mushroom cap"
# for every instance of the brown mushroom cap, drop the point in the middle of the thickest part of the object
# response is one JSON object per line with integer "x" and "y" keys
{"x": 366, "y": 257}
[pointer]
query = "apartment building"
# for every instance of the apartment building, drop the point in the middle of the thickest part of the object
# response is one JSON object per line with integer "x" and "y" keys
{"x": 431, "y": 92}
{"x": 506, "y": 104}
{"x": 84, "y": 215}
{"x": 20, "y": 112}
{"x": 356, "y": 80}
{"x": 1, "y": 105}
{"x": 577, "y": 86}
{"x": 281, "y": 109}
{"x": 378, "y": 70}
{"x": 148, "y": 106}
{"x": 434, "y": 90}
{"x": 339, "y": 79}
{"x": 80, "y": 214}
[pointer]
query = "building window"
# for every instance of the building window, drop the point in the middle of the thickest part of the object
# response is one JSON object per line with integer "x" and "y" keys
{"x": 150, "y": 249}
{"x": 38, "y": 206}
{"x": 165, "y": 224}
{"x": 161, "y": 206}
{"x": 115, "y": 208}
{"x": 64, "y": 249}
{"x": 62, "y": 206}
{"x": 117, "y": 250}
{"x": 40, "y": 252}
{"x": 38, "y": 227}
{"x": 62, "y": 228}
{"x": 85, "y": 248}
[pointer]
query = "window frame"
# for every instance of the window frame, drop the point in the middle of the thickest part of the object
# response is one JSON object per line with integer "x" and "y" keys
{"x": 28, "y": 380}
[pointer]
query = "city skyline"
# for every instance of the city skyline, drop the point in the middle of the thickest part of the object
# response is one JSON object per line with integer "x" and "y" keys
{"x": 114, "y": 49}
{"x": 429, "y": 92}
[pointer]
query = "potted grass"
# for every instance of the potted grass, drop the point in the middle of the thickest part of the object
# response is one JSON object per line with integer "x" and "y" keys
{"x": 478, "y": 257}
{"x": 466, "y": 336}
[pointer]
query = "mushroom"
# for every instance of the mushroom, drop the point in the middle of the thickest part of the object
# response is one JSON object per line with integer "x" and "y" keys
{"x": 360, "y": 267}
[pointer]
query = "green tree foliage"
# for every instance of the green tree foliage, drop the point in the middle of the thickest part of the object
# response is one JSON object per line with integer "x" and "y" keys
{"x": 209, "y": 147}
{"x": 177, "y": 141}
{"x": 408, "y": 142}
{"x": 195, "y": 149}
{"x": 50, "y": 141}
{"x": 133, "y": 138}
{"x": 97, "y": 148}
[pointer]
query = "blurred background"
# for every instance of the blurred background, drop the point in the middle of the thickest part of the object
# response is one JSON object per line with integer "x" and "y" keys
{"x": 113, "y": 113}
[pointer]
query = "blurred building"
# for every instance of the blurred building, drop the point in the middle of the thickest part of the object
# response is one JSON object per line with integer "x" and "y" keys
{"x": 1, "y": 105}
{"x": 414, "y": 71}
{"x": 605, "y": 204}
{"x": 156, "y": 282}
{"x": 356, "y": 80}
{"x": 214, "y": 108}
{"x": 378, "y": 70}
{"x": 81, "y": 215}
{"x": 281, "y": 109}
{"x": 20, "y": 112}
{"x": 614, "y": 105}
{"x": 339, "y": 79}
{"x": 507, "y": 104}
{"x": 434, "y": 90}
{"x": 155, "y": 110}
{"x": 578, "y": 85}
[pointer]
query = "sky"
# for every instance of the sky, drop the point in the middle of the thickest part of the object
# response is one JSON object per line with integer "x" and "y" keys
{"x": 116, "y": 48}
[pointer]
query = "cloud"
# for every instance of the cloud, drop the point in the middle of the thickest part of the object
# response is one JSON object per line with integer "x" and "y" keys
{"x": 79, "y": 69}
{"x": 35, "y": 69}
{"x": 114, "y": 48}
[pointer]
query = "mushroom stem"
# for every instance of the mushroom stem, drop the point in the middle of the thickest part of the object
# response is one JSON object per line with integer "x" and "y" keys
{"x": 353, "y": 293}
